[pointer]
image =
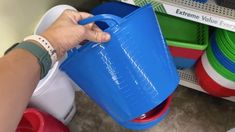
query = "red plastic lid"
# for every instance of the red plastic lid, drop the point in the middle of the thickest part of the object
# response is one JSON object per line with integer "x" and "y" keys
{"x": 34, "y": 120}
{"x": 155, "y": 113}
{"x": 210, "y": 85}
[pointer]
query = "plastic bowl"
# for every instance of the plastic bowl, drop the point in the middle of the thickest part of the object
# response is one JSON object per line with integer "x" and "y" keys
{"x": 155, "y": 113}
{"x": 150, "y": 119}
{"x": 146, "y": 125}
{"x": 209, "y": 85}
{"x": 215, "y": 75}
{"x": 186, "y": 53}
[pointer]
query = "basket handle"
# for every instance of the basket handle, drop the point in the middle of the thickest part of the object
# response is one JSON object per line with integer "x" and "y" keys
{"x": 109, "y": 19}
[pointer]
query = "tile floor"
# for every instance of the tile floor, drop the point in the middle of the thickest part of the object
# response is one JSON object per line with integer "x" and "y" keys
{"x": 191, "y": 111}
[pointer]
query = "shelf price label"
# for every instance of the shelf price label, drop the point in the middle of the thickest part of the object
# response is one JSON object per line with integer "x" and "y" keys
{"x": 204, "y": 18}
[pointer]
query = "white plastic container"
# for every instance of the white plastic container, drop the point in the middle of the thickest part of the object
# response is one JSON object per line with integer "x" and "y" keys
{"x": 55, "y": 94}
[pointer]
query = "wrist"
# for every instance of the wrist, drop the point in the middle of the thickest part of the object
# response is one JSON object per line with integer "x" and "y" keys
{"x": 53, "y": 41}
{"x": 43, "y": 42}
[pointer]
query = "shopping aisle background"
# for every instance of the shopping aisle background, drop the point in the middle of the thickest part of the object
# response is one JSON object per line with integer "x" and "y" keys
{"x": 191, "y": 111}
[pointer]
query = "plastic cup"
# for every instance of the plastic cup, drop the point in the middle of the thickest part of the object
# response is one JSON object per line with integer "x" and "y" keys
{"x": 151, "y": 118}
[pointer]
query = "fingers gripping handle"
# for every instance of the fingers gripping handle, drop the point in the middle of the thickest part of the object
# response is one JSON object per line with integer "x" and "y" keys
{"x": 109, "y": 19}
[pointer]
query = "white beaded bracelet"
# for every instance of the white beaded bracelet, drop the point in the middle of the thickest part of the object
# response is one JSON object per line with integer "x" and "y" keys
{"x": 46, "y": 44}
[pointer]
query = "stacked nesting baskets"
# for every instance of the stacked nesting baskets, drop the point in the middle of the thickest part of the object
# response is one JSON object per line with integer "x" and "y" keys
{"x": 216, "y": 69}
{"x": 187, "y": 40}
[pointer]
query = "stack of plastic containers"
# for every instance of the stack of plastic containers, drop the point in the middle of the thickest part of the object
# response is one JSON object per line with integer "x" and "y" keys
{"x": 151, "y": 118}
{"x": 132, "y": 77}
{"x": 216, "y": 69}
{"x": 187, "y": 39}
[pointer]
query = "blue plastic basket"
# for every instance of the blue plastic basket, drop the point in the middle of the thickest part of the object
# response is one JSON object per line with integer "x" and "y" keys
{"x": 132, "y": 73}
{"x": 115, "y": 8}
{"x": 122, "y": 9}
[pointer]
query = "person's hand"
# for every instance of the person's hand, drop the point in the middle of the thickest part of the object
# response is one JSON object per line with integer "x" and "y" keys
{"x": 65, "y": 33}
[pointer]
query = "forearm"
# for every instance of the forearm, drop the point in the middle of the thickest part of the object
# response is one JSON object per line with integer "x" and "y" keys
{"x": 19, "y": 75}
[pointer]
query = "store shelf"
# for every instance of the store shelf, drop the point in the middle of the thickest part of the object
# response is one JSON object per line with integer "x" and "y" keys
{"x": 189, "y": 80}
{"x": 208, "y": 13}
